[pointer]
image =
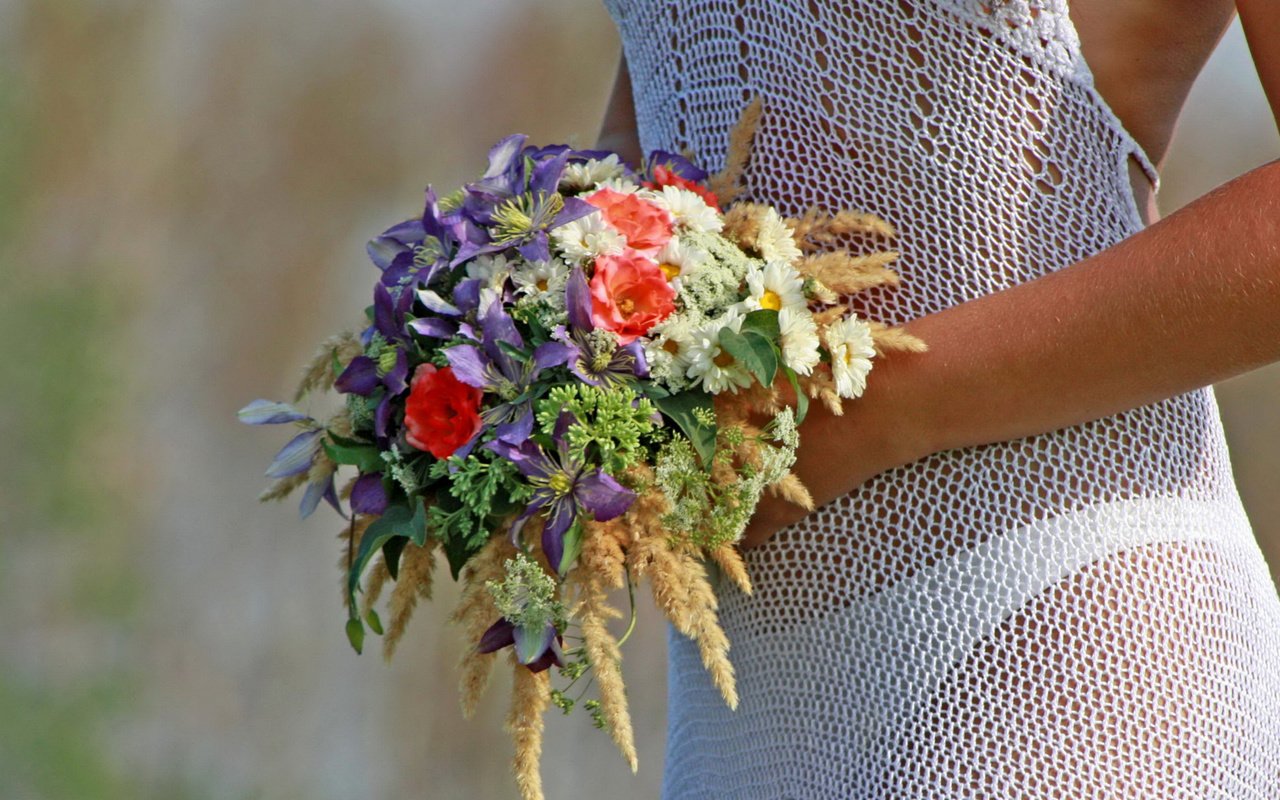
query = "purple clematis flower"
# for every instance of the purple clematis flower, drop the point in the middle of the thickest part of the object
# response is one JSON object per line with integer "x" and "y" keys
{"x": 493, "y": 369}
{"x": 538, "y": 650}
{"x": 299, "y": 453}
{"x": 564, "y": 486}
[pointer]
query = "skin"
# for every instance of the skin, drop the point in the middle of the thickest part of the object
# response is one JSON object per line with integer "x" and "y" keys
{"x": 1189, "y": 301}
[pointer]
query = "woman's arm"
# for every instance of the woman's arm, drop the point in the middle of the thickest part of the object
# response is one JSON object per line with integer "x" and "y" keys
{"x": 618, "y": 130}
{"x": 1192, "y": 300}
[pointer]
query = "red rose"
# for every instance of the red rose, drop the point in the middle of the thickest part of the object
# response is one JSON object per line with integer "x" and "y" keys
{"x": 442, "y": 413}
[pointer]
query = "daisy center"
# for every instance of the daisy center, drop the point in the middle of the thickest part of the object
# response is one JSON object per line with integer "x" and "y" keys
{"x": 771, "y": 300}
{"x": 671, "y": 346}
{"x": 670, "y": 271}
{"x": 541, "y": 284}
{"x": 722, "y": 360}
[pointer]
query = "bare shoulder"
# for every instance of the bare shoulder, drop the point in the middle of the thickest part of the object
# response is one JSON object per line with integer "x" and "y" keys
{"x": 1146, "y": 54}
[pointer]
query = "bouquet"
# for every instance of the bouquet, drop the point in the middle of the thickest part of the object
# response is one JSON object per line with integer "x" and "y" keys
{"x": 568, "y": 383}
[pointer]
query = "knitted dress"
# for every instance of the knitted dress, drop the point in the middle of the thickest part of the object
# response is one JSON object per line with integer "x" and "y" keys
{"x": 1083, "y": 613}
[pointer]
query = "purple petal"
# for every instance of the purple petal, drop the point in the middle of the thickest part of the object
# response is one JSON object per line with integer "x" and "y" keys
{"x": 546, "y": 175}
{"x": 431, "y": 225}
{"x": 603, "y": 496}
{"x": 531, "y": 644}
{"x": 434, "y": 327}
{"x": 677, "y": 164}
{"x": 574, "y": 208}
{"x": 525, "y": 516}
{"x": 311, "y": 499}
{"x": 394, "y": 240}
{"x": 400, "y": 268}
{"x": 518, "y": 430}
{"x": 360, "y": 377}
{"x": 382, "y": 418}
{"x": 505, "y": 161}
{"x": 296, "y": 456}
{"x": 551, "y": 656}
{"x": 437, "y": 304}
{"x": 499, "y": 635}
{"x": 577, "y": 295}
{"x": 527, "y": 456}
{"x": 470, "y": 365}
{"x": 368, "y": 495}
{"x": 498, "y": 327}
{"x": 551, "y": 354}
{"x": 563, "y": 511}
{"x": 466, "y": 295}
{"x": 267, "y": 412}
{"x": 639, "y": 365}
{"x": 384, "y": 312}
{"x": 395, "y": 379}
{"x": 535, "y": 247}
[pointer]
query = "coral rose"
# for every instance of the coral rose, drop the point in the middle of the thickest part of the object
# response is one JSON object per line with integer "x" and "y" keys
{"x": 629, "y": 295}
{"x": 646, "y": 226}
{"x": 442, "y": 413}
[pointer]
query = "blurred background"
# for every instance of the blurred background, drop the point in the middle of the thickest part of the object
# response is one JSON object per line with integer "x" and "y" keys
{"x": 185, "y": 192}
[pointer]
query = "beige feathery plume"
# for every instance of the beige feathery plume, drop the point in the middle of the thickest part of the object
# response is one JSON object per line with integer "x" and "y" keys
{"x": 340, "y": 422}
{"x": 530, "y": 696}
{"x": 793, "y": 490}
{"x": 345, "y": 492}
{"x": 821, "y": 386}
{"x": 681, "y": 589}
{"x": 731, "y": 564}
{"x": 817, "y": 230}
{"x": 829, "y": 315}
{"x": 846, "y": 273}
{"x": 377, "y": 580}
{"x": 282, "y": 487}
{"x": 727, "y": 183}
{"x": 742, "y": 225}
{"x": 605, "y": 658}
{"x": 475, "y": 613}
{"x": 413, "y": 581}
{"x": 320, "y": 373}
{"x": 889, "y": 340}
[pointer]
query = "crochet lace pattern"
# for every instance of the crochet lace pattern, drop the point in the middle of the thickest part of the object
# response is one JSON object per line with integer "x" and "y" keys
{"x": 1083, "y": 613}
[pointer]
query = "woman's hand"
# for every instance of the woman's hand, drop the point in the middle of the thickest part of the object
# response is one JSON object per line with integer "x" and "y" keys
{"x": 839, "y": 453}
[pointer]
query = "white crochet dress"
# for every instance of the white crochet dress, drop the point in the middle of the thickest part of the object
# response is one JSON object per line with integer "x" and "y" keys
{"x": 1079, "y": 614}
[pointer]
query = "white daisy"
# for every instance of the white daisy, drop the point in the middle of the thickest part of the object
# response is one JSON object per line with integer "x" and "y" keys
{"x": 542, "y": 279}
{"x": 775, "y": 241}
{"x": 679, "y": 262}
{"x": 587, "y": 237}
{"x": 710, "y": 365}
{"x": 851, "y": 346}
{"x": 621, "y": 184}
{"x": 690, "y": 211}
{"x": 492, "y": 269}
{"x": 775, "y": 286}
{"x": 580, "y": 176}
{"x": 667, "y": 353}
{"x": 799, "y": 339}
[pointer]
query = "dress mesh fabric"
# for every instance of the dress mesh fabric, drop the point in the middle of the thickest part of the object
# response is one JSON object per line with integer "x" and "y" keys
{"x": 1083, "y": 613}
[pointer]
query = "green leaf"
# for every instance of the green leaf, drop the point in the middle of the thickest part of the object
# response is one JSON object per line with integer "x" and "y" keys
{"x": 391, "y": 555}
{"x": 572, "y": 547}
{"x": 355, "y": 635}
{"x": 513, "y": 351}
{"x": 679, "y": 408}
{"x": 395, "y": 521}
{"x": 752, "y": 351}
{"x": 375, "y": 622}
{"x": 364, "y": 457}
{"x": 459, "y": 551}
{"x": 802, "y": 402}
{"x": 763, "y": 321}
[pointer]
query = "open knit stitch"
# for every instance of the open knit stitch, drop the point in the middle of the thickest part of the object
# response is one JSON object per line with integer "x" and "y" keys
{"x": 1083, "y": 613}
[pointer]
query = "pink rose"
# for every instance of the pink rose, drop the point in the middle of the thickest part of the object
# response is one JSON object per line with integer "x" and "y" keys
{"x": 647, "y": 227}
{"x": 629, "y": 295}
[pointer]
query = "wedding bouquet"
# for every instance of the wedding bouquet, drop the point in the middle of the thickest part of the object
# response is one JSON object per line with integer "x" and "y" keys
{"x": 569, "y": 383}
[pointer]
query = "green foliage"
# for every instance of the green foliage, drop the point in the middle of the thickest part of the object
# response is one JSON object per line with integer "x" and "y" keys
{"x": 474, "y": 493}
{"x": 693, "y": 413}
{"x": 610, "y": 423}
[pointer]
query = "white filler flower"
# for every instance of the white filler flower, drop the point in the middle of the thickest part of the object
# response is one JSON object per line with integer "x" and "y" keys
{"x": 851, "y": 346}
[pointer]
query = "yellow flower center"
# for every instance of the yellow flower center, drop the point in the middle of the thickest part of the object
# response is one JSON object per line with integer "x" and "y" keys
{"x": 560, "y": 483}
{"x": 671, "y": 346}
{"x": 541, "y": 284}
{"x": 771, "y": 300}
{"x": 627, "y": 306}
{"x": 670, "y": 271}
